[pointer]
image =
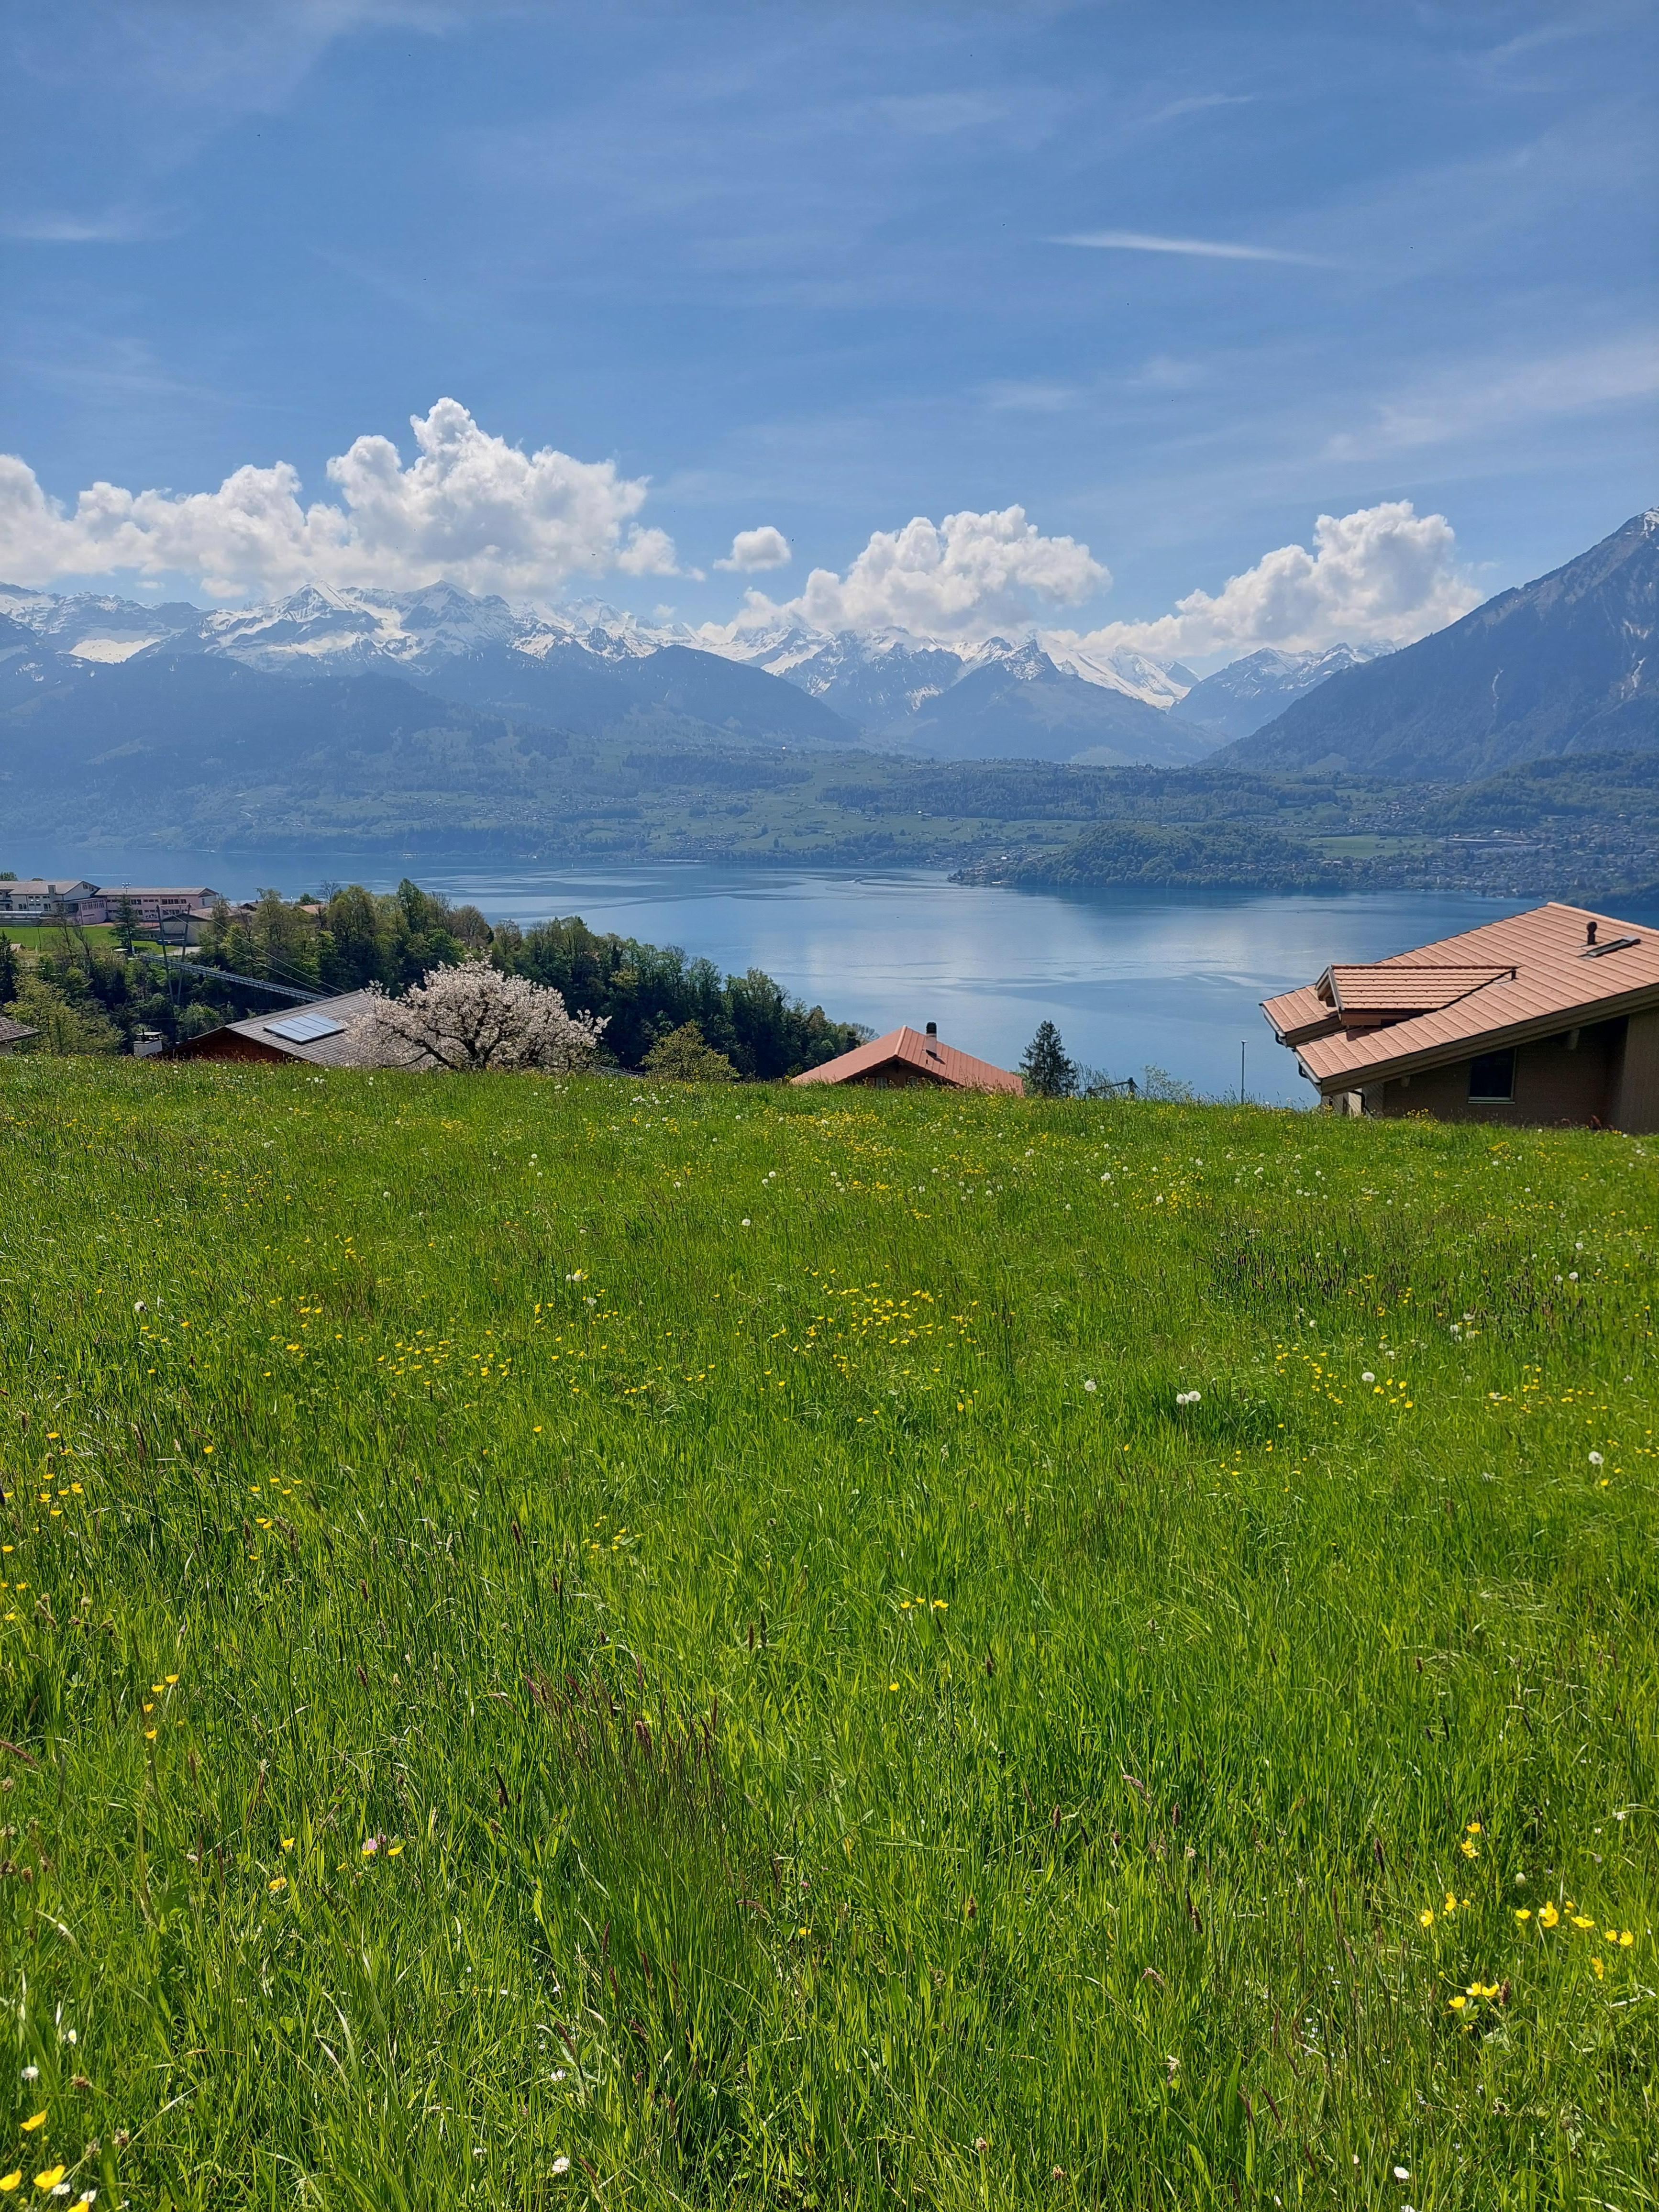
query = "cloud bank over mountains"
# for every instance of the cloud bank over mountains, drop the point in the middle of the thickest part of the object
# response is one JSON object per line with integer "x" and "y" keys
{"x": 470, "y": 507}
{"x": 959, "y": 580}
{"x": 475, "y": 510}
{"x": 1383, "y": 575}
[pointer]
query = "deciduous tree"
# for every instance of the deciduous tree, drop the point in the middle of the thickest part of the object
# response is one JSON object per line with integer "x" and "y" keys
{"x": 62, "y": 1026}
{"x": 685, "y": 1056}
{"x": 472, "y": 1018}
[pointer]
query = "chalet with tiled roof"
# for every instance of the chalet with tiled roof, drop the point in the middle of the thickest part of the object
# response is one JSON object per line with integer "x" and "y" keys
{"x": 1546, "y": 1018}
{"x": 906, "y": 1057}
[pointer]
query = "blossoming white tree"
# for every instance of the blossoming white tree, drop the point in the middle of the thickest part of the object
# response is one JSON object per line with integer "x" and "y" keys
{"x": 473, "y": 1017}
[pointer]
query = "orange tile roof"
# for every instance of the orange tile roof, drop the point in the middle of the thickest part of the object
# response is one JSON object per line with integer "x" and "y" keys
{"x": 929, "y": 1055}
{"x": 1558, "y": 980}
{"x": 1301, "y": 1014}
{"x": 1395, "y": 987}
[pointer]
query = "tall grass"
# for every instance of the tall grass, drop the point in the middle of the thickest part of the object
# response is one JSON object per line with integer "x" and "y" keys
{"x": 571, "y": 1642}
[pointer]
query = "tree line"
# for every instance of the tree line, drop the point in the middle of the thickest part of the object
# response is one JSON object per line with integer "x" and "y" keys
{"x": 657, "y": 1005}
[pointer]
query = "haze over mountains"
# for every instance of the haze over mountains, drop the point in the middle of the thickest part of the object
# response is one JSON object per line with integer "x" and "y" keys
{"x": 597, "y": 671}
{"x": 412, "y": 711}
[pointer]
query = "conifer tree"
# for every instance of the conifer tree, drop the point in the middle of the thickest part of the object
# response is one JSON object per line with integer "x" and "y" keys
{"x": 1049, "y": 1073}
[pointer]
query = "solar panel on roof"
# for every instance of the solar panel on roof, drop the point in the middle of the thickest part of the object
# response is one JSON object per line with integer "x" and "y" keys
{"x": 305, "y": 1028}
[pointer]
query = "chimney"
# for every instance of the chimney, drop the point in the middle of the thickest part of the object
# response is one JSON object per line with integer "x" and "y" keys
{"x": 932, "y": 1027}
{"x": 1589, "y": 933}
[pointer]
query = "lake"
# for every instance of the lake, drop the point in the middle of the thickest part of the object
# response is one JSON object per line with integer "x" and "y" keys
{"x": 1172, "y": 978}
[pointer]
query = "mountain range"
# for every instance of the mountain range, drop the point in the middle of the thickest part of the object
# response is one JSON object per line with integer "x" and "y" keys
{"x": 595, "y": 672}
{"x": 427, "y": 708}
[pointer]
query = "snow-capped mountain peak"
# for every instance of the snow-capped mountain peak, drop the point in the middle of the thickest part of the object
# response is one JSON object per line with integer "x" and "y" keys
{"x": 1121, "y": 669}
{"x": 1251, "y": 691}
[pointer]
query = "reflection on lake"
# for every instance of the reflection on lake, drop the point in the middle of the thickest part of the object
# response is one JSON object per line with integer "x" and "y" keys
{"x": 1174, "y": 978}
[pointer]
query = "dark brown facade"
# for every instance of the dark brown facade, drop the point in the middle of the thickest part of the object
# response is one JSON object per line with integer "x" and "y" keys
{"x": 896, "y": 1075}
{"x": 228, "y": 1044}
{"x": 1606, "y": 1076}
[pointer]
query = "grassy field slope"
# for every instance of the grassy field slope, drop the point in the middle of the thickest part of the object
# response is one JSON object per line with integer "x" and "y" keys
{"x": 585, "y": 1643}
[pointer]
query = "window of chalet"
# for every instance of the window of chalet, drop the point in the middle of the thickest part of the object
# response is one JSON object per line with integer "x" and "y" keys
{"x": 1492, "y": 1079}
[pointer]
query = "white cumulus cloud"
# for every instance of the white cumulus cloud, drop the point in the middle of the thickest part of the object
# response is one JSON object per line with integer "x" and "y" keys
{"x": 963, "y": 578}
{"x": 470, "y": 507}
{"x": 751, "y": 549}
{"x": 1383, "y": 575}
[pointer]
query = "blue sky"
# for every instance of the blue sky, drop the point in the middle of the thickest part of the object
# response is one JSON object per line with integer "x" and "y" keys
{"x": 815, "y": 269}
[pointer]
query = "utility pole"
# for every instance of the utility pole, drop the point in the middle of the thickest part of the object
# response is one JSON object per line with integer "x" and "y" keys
{"x": 1241, "y": 1071}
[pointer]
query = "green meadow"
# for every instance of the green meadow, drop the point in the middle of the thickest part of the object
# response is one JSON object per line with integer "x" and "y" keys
{"x": 585, "y": 1643}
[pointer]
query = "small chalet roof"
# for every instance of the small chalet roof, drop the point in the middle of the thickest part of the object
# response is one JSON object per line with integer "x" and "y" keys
{"x": 13, "y": 1032}
{"x": 930, "y": 1055}
{"x": 1531, "y": 976}
{"x": 1391, "y": 989}
{"x": 318, "y": 1031}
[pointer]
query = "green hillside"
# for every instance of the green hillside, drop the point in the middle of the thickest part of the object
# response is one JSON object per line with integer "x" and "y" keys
{"x": 573, "y": 1643}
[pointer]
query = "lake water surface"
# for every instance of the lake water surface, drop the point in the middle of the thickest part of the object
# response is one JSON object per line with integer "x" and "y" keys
{"x": 1173, "y": 978}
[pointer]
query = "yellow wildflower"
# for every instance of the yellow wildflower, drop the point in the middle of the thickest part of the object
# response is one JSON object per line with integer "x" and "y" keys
{"x": 10, "y": 2180}
{"x": 1459, "y": 2002}
{"x": 1600, "y": 1968}
{"x": 39, "y": 2121}
{"x": 280, "y": 1882}
{"x": 1469, "y": 1848}
{"x": 1548, "y": 1915}
{"x": 1427, "y": 1919}
{"x": 50, "y": 2178}
{"x": 1626, "y": 1939}
{"x": 1583, "y": 1920}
